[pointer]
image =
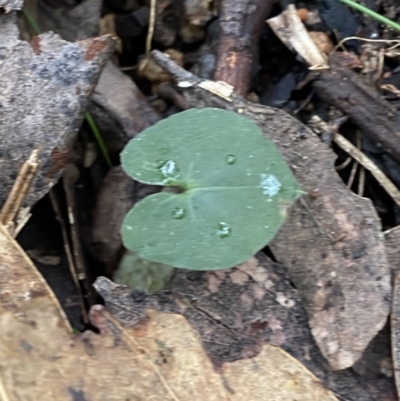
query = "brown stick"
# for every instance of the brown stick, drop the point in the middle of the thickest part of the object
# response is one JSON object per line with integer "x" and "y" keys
{"x": 240, "y": 26}
{"x": 349, "y": 93}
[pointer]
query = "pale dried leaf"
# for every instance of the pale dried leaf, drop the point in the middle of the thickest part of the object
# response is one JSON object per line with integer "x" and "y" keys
{"x": 20, "y": 282}
{"x": 235, "y": 312}
{"x": 162, "y": 360}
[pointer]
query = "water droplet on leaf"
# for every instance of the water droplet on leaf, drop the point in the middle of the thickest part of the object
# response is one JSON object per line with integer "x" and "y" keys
{"x": 179, "y": 213}
{"x": 230, "y": 159}
{"x": 269, "y": 184}
{"x": 169, "y": 171}
{"x": 224, "y": 230}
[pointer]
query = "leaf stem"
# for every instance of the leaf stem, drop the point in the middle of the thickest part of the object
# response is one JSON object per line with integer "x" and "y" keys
{"x": 100, "y": 142}
{"x": 31, "y": 21}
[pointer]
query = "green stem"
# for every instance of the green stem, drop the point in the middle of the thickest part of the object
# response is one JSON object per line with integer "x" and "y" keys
{"x": 31, "y": 21}
{"x": 99, "y": 139}
{"x": 372, "y": 14}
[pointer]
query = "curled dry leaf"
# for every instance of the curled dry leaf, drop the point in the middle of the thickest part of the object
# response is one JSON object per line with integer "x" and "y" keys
{"x": 45, "y": 85}
{"x": 332, "y": 243}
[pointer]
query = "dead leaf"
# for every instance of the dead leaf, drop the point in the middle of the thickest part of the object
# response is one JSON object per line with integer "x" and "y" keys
{"x": 45, "y": 85}
{"x": 119, "y": 108}
{"x": 163, "y": 360}
{"x": 235, "y": 312}
{"x": 20, "y": 282}
{"x": 36, "y": 346}
{"x": 332, "y": 244}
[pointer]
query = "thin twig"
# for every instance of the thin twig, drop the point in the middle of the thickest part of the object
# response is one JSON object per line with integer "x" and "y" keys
{"x": 152, "y": 21}
{"x": 20, "y": 188}
{"x": 355, "y": 165}
{"x": 68, "y": 252}
{"x": 361, "y": 181}
{"x": 347, "y": 146}
{"x": 352, "y": 175}
{"x": 344, "y": 164}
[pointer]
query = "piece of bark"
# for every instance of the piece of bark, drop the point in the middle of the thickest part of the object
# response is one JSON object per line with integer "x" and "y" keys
{"x": 332, "y": 243}
{"x": 10, "y": 5}
{"x": 240, "y": 25}
{"x": 119, "y": 108}
{"x": 393, "y": 251}
{"x": 71, "y": 23}
{"x": 44, "y": 92}
{"x": 235, "y": 312}
{"x": 363, "y": 103}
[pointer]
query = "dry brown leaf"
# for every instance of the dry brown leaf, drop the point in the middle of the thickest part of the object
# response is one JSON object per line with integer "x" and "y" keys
{"x": 331, "y": 241}
{"x": 20, "y": 282}
{"x": 163, "y": 360}
{"x": 236, "y": 311}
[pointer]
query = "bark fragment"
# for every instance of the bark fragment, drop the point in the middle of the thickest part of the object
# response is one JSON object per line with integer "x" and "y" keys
{"x": 44, "y": 95}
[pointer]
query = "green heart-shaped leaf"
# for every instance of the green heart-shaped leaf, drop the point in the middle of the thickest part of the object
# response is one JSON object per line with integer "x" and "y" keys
{"x": 234, "y": 190}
